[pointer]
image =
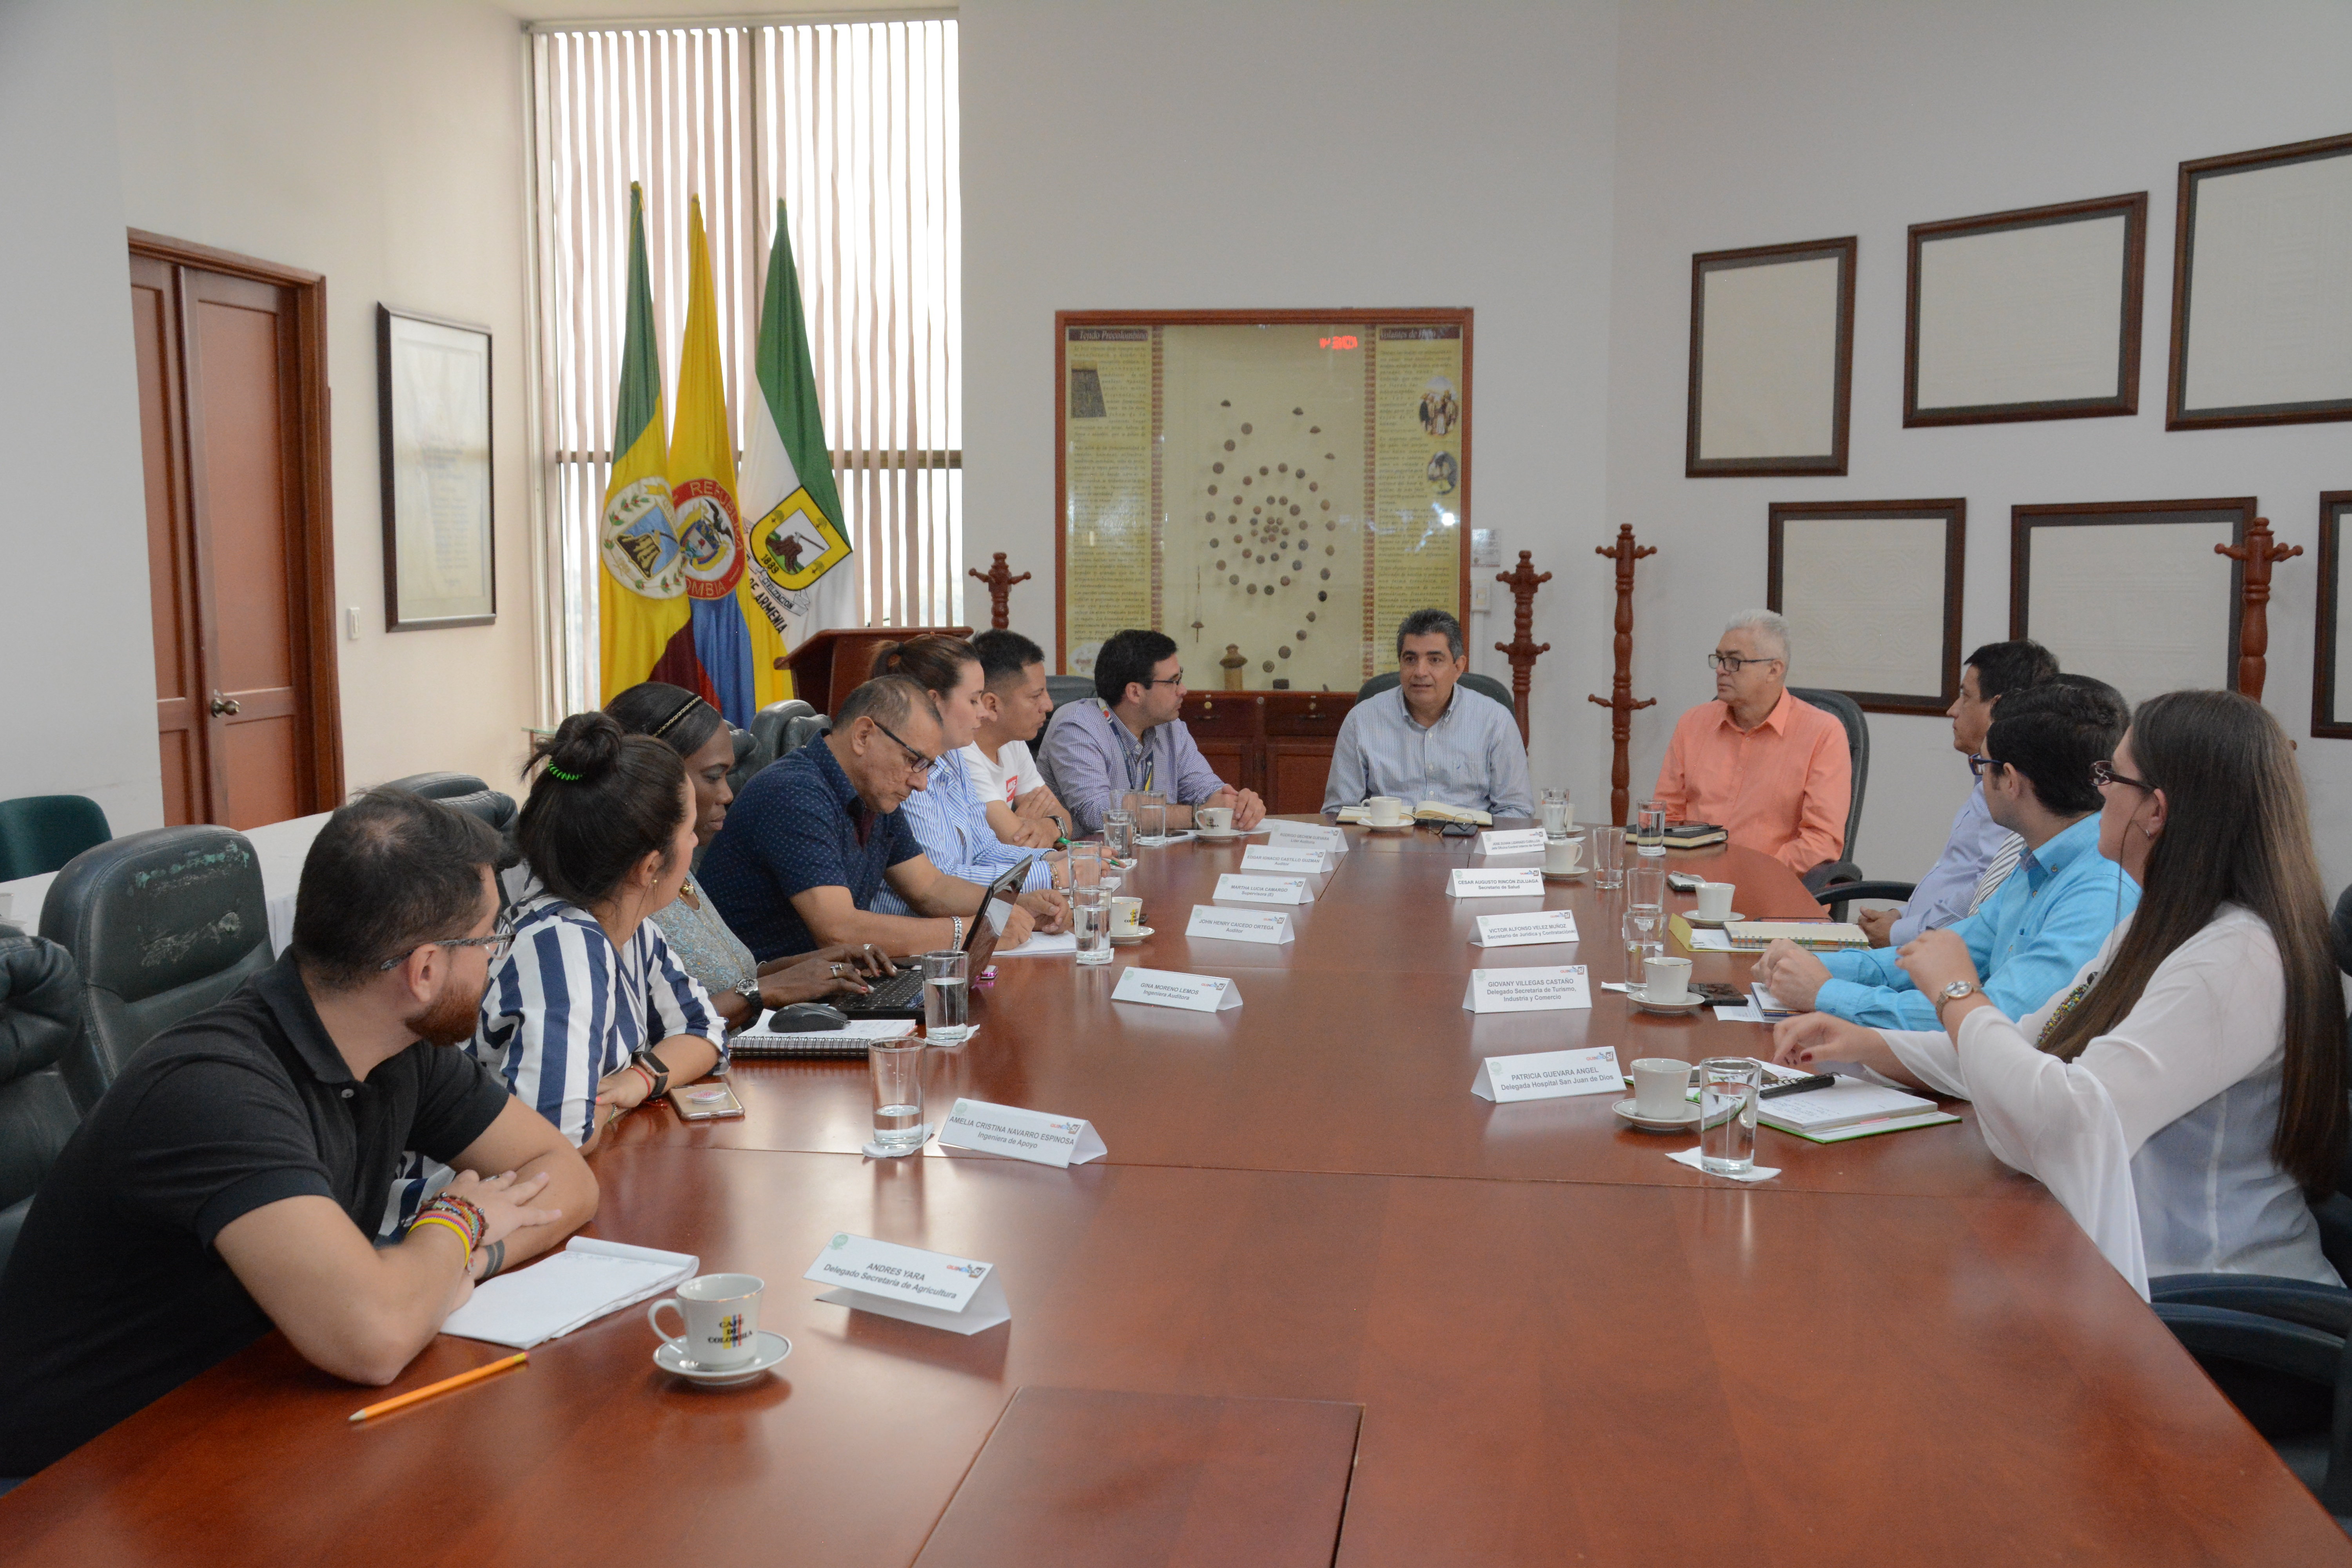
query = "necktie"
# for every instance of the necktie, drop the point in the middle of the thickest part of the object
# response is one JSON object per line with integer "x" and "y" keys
{"x": 2004, "y": 861}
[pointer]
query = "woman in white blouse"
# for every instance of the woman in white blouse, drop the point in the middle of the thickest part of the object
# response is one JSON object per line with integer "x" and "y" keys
{"x": 2187, "y": 1094}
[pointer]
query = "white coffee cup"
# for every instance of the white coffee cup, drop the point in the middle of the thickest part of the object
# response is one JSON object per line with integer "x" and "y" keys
{"x": 1715, "y": 900}
{"x": 722, "y": 1318}
{"x": 1215, "y": 818}
{"x": 1126, "y": 915}
{"x": 1387, "y": 811}
{"x": 1564, "y": 856}
{"x": 1665, "y": 979}
{"x": 1660, "y": 1087}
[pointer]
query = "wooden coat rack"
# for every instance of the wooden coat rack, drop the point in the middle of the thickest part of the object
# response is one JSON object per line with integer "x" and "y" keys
{"x": 1000, "y": 580}
{"x": 2259, "y": 553}
{"x": 1523, "y": 580}
{"x": 1620, "y": 701}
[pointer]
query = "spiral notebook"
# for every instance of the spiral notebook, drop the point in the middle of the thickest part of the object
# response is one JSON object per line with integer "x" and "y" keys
{"x": 847, "y": 1041}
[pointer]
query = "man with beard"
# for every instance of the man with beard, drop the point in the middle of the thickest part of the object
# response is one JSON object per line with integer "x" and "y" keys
{"x": 230, "y": 1179}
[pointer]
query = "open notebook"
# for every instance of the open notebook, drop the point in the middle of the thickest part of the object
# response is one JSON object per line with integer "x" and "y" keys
{"x": 850, "y": 1040}
{"x": 566, "y": 1290}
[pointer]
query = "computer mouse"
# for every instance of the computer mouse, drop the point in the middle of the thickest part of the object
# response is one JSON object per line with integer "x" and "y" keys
{"x": 806, "y": 1019}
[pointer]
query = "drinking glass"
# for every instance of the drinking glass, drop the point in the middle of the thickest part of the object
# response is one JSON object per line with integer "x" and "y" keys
{"x": 1554, "y": 812}
{"x": 1084, "y": 862}
{"x": 1650, "y": 824}
{"x": 947, "y": 997}
{"x": 1726, "y": 1101}
{"x": 1645, "y": 939}
{"x": 1119, "y": 833}
{"x": 898, "y": 1068}
{"x": 1090, "y": 919}
{"x": 1608, "y": 857}
{"x": 1646, "y": 884}
{"x": 1151, "y": 818}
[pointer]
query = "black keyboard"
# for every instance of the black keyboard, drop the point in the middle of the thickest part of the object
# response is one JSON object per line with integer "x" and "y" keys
{"x": 900, "y": 994}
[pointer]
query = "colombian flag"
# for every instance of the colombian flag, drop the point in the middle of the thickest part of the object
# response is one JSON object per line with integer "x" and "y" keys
{"x": 643, "y": 600}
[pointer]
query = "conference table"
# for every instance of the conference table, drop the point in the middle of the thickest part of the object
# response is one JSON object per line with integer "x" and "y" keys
{"x": 1544, "y": 1340}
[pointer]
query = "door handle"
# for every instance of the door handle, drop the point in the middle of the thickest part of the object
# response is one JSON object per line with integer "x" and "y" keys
{"x": 224, "y": 707}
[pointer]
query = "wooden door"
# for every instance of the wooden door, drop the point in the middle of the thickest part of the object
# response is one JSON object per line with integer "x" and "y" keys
{"x": 232, "y": 415}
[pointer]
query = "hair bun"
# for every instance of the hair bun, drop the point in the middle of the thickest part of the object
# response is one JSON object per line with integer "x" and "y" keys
{"x": 583, "y": 749}
{"x": 888, "y": 658}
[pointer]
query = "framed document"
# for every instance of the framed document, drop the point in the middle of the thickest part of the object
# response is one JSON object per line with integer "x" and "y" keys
{"x": 1771, "y": 359}
{"x": 1276, "y": 490}
{"x": 2331, "y": 674}
{"x": 1872, "y": 591}
{"x": 2026, "y": 315}
{"x": 2131, "y": 592}
{"x": 2261, "y": 288}
{"x": 432, "y": 412}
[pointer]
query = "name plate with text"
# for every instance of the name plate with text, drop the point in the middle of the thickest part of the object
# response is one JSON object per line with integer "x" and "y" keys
{"x": 1172, "y": 988}
{"x": 1032, "y": 1135}
{"x": 1525, "y": 931}
{"x": 934, "y": 1289}
{"x": 1266, "y": 857}
{"x": 1271, "y": 927}
{"x": 1527, "y": 990}
{"x": 1308, "y": 836}
{"x": 1521, "y": 883}
{"x": 1247, "y": 890}
{"x": 1549, "y": 1075}
{"x": 1511, "y": 841}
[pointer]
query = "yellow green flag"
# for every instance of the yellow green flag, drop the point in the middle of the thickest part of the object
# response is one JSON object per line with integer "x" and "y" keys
{"x": 643, "y": 604}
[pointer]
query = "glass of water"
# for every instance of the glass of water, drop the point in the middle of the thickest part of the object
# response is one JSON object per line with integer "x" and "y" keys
{"x": 1090, "y": 919}
{"x": 898, "y": 1066}
{"x": 1151, "y": 816}
{"x": 1608, "y": 857}
{"x": 1646, "y": 884}
{"x": 947, "y": 998}
{"x": 1727, "y": 1099}
{"x": 1645, "y": 939}
{"x": 1119, "y": 833}
{"x": 1555, "y": 811}
{"x": 1649, "y": 824}
{"x": 1084, "y": 863}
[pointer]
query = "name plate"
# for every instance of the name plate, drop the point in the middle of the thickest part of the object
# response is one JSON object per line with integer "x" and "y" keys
{"x": 1308, "y": 836}
{"x": 1247, "y": 890}
{"x": 1032, "y": 1135}
{"x": 1271, "y": 927}
{"x": 1527, "y": 990}
{"x": 1549, "y": 1075}
{"x": 1172, "y": 988}
{"x": 1522, "y": 883}
{"x": 1265, "y": 858}
{"x": 1525, "y": 931}
{"x": 958, "y": 1294}
{"x": 1512, "y": 841}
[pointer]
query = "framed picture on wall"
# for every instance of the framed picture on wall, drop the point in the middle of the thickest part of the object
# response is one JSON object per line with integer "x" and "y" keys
{"x": 433, "y": 414}
{"x": 1872, "y": 591}
{"x": 2026, "y": 315}
{"x": 1772, "y": 360}
{"x": 2331, "y": 673}
{"x": 2132, "y": 591}
{"x": 2261, "y": 288}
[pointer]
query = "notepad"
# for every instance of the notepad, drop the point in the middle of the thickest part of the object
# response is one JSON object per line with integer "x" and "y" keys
{"x": 1754, "y": 936}
{"x": 1842, "y": 1105}
{"x": 1043, "y": 944}
{"x": 850, "y": 1040}
{"x": 585, "y": 1282}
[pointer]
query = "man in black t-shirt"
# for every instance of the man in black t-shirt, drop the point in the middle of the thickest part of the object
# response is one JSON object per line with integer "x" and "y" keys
{"x": 230, "y": 1179}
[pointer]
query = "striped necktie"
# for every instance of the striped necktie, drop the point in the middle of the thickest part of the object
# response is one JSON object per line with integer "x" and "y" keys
{"x": 2004, "y": 861}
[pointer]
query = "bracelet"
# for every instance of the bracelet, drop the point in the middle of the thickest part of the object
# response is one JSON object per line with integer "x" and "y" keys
{"x": 466, "y": 1212}
{"x": 956, "y": 941}
{"x": 646, "y": 1073}
{"x": 436, "y": 1216}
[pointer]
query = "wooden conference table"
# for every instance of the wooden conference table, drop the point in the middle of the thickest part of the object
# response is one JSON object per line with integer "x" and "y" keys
{"x": 1565, "y": 1347}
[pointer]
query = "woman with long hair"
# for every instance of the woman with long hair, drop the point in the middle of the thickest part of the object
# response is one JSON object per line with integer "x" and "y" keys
{"x": 741, "y": 987}
{"x": 2185, "y": 1096}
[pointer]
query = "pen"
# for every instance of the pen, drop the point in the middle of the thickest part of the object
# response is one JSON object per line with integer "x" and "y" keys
{"x": 402, "y": 1401}
{"x": 1799, "y": 1085}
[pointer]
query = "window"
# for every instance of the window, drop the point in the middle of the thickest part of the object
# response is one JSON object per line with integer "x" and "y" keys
{"x": 854, "y": 125}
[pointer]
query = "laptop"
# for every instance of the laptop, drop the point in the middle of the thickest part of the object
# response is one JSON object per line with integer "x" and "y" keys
{"x": 900, "y": 996}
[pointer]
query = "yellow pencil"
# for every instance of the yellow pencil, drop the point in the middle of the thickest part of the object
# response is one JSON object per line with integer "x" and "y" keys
{"x": 443, "y": 1387}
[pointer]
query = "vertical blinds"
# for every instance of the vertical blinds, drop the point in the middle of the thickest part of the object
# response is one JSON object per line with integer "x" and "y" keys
{"x": 854, "y": 125}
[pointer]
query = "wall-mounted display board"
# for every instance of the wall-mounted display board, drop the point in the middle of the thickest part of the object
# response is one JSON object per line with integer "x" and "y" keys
{"x": 2026, "y": 315}
{"x": 1771, "y": 359}
{"x": 1276, "y": 490}
{"x": 433, "y": 416}
{"x": 1872, "y": 591}
{"x": 2131, "y": 592}
{"x": 2331, "y": 674}
{"x": 2261, "y": 288}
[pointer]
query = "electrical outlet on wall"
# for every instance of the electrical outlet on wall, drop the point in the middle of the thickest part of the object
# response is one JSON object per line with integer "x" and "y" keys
{"x": 1480, "y": 596}
{"x": 352, "y": 623}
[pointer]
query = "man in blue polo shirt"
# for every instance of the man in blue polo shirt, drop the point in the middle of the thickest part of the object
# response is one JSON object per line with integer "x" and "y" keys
{"x": 812, "y": 840}
{"x": 2048, "y": 920}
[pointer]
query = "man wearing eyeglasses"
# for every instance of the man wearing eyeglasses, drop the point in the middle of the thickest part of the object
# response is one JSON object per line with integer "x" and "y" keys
{"x": 231, "y": 1178}
{"x": 1772, "y": 770}
{"x": 1128, "y": 742}
{"x": 812, "y": 841}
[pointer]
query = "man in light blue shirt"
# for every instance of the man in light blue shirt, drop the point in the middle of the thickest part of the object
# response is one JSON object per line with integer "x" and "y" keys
{"x": 1129, "y": 742}
{"x": 2048, "y": 920}
{"x": 1947, "y": 892}
{"x": 1427, "y": 739}
{"x": 950, "y": 822}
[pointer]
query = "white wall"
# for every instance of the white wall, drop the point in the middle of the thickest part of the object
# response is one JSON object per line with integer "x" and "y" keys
{"x": 1226, "y": 154}
{"x": 1742, "y": 125}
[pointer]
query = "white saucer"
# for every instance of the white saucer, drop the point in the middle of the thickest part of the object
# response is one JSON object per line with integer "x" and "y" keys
{"x": 1687, "y": 1121}
{"x": 1713, "y": 925}
{"x": 1635, "y": 994}
{"x": 1576, "y": 876}
{"x": 1405, "y": 826}
{"x": 1228, "y": 835}
{"x": 772, "y": 1347}
{"x": 1128, "y": 938}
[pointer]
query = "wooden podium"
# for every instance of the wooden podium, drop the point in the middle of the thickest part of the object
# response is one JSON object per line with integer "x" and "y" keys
{"x": 831, "y": 664}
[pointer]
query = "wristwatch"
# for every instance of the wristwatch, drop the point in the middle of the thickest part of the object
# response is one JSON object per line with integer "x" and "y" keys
{"x": 1953, "y": 992}
{"x": 656, "y": 1066}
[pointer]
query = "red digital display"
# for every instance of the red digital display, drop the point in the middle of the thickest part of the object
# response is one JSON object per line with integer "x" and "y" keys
{"x": 1347, "y": 343}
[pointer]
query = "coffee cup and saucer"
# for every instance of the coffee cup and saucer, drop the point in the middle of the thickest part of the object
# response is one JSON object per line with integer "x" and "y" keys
{"x": 1127, "y": 927}
{"x": 1386, "y": 813}
{"x": 723, "y": 1343}
{"x": 1665, "y": 987}
{"x": 1210, "y": 824}
{"x": 1715, "y": 909}
{"x": 1660, "y": 1101}
{"x": 1564, "y": 858}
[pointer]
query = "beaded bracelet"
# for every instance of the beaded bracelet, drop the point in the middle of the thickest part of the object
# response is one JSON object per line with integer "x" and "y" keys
{"x": 441, "y": 1218}
{"x": 468, "y": 1210}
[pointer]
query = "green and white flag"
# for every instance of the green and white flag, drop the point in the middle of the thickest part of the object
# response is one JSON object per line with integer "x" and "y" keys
{"x": 786, "y": 488}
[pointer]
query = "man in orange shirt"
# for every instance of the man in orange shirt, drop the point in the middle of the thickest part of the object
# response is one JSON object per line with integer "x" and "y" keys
{"x": 1773, "y": 772}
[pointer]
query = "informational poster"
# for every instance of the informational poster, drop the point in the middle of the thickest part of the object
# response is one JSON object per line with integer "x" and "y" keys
{"x": 1274, "y": 492}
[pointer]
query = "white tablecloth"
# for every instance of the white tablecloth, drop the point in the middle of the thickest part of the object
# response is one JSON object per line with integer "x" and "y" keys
{"x": 280, "y": 848}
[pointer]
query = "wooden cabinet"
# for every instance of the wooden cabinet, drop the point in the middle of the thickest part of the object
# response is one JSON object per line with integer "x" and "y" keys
{"x": 1275, "y": 743}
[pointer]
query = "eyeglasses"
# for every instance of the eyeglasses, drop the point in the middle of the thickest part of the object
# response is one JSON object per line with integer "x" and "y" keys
{"x": 495, "y": 945}
{"x": 2104, "y": 774}
{"x": 916, "y": 762}
{"x": 1976, "y": 765}
{"x": 1734, "y": 662}
{"x": 1175, "y": 680}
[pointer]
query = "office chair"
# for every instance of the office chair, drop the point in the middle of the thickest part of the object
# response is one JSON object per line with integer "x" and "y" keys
{"x": 767, "y": 727}
{"x": 48, "y": 1077}
{"x": 1848, "y": 713}
{"x": 1484, "y": 685}
{"x": 439, "y": 786}
{"x": 39, "y": 833}
{"x": 800, "y": 729}
{"x": 1067, "y": 689}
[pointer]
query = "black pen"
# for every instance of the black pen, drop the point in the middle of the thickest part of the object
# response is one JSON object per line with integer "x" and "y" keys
{"x": 1799, "y": 1085}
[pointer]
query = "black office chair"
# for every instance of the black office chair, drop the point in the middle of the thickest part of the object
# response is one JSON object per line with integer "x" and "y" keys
{"x": 750, "y": 758}
{"x": 800, "y": 729}
{"x": 1065, "y": 688}
{"x": 161, "y": 925}
{"x": 2343, "y": 929}
{"x": 39, "y": 833}
{"x": 767, "y": 727}
{"x": 497, "y": 809}
{"x": 439, "y": 786}
{"x": 48, "y": 1077}
{"x": 1484, "y": 685}
{"x": 1848, "y": 713}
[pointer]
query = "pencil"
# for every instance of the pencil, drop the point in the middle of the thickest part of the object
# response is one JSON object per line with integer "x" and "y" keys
{"x": 403, "y": 1401}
